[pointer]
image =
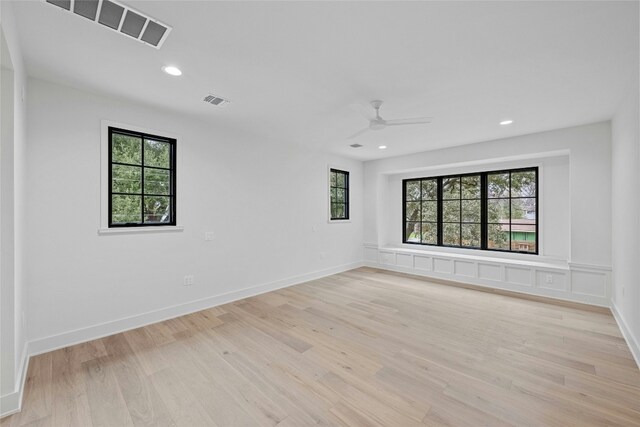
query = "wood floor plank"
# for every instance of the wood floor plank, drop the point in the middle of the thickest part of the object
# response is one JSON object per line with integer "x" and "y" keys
{"x": 108, "y": 407}
{"x": 361, "y": 348}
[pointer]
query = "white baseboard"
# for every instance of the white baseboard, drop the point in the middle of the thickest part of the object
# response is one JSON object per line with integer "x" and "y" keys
{"x": 66, "y": 339}
{"x": 548, "y": 278}
{"x": 632, "y": 342}
{"x": 11, "y": 403}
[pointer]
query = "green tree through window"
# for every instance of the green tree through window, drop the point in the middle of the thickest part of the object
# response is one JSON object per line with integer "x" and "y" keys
{"x": 487, "y": 210}
{"x": 142, "y": 179}
{"x": 339, "y": 194}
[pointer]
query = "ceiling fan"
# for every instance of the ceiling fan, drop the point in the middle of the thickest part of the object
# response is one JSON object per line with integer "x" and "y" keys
{"x": 378, "y": 123}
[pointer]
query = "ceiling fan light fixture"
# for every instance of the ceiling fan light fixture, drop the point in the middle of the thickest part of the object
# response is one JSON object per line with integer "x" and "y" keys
{"x": 378, "y": 123}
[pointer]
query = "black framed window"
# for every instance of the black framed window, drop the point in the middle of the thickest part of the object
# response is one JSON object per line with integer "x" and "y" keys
{"x": 495, "y": 210}
{"x": 339, "y": 194}
{"x": 142, "y": 179}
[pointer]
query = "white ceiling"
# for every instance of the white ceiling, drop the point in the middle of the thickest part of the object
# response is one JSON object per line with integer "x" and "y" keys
{"x": 292, "y": 69}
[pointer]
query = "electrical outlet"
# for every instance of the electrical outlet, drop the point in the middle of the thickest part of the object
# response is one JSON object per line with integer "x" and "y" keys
{"x": 188, "y": 280}
{"x": 549, "y": 278}
{"x": 208, "y": 236}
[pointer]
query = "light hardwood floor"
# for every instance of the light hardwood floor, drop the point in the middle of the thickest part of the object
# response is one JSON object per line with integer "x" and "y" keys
{"x": 361, "y": 348}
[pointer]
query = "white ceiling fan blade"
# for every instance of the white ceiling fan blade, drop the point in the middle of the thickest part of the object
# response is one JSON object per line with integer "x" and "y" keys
{"x": 365, "y": 111}
{"x": 412, "y": 121}
{"x": 357, "y": 134}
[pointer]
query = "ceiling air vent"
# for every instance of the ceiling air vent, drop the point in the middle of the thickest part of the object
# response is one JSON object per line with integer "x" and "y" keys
{"x": 215, "y": 100}
{"x": 356, "y": 145}
{"x": 120, "y": 18}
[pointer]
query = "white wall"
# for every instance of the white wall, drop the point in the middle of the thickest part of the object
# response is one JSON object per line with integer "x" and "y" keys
{"x": 554, "y": 225}
{"x": 626, "y": 218}
{"x": 575, "y": 217}
{"x": 12, "y": 202}
{"x": 266, "y": 204}
{"x": 575, "y": 187}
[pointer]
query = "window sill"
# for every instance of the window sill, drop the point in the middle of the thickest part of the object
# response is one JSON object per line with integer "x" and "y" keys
{"x": 485, "y": 256}
{"x": 339, "y": 221}
{"x": 140, "y": 230}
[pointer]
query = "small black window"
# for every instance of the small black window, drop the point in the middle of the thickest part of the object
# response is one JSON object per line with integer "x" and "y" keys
{"x": 142, "y": 179}
{"x": 339, "y": 190}
{"x": 495, "y": 210}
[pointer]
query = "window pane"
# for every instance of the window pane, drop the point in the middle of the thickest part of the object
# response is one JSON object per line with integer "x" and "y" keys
{"x": 334, "y": 195}
{"x": 451, "y": 211}
{"x": 430, "y": 189}
{"x": 471, "y": 187}
{"x": 498, "y": 185}
{"x": 523, "y": 184}
{"x": 471, "y": 235}
{"x": 523, "y": 210}
{"x": 412, "y": 211}
{"x": 451, "y": 188}
{"x": 126, "y": 149}
{"x": 412, "y": 232}
{"x": 340, "y": 180}
{"x": 156, "y": 181}
{"x": 338, "y": 211}
{"x": 498, "y": 236}
{"x": 126, "y": 179}
{"x": 340, "y": 195}
{"x": 508, "y": 200}
{"x": 156, "y": 209}
{"x": 156, "y": 153}
{"x": 498, "y": 210}
{"x": 413, "y": 190}
{"x": 523, "y": 246}
{"x": 471, "y": 211}
{"x": 523, "y": 237}
{"x": 430, "y": 211}
{"x": 429, "y": 233}
{"x": 126, "y": 209}
{"x": 333, "y": 179}
{"x": 451, "y": 234}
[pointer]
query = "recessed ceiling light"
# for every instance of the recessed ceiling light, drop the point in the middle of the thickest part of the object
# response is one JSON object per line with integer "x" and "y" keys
{"x": 171, "y": 70}
{"x": 382, "y": 147}
{"x": 506, "y": 122}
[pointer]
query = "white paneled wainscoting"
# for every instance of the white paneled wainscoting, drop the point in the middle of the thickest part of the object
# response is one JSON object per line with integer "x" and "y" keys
{"x": 589, "y": 284}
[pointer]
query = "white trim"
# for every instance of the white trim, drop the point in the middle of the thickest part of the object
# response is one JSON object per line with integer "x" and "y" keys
{"x": 548, "y": 277}
{"x": 103, "y": 225}
{"x": 633, "y": 344}
{"x": 65, "y": 339}
{"x": 581, "y": 266}
{"x": 480, "y": 255}
{"x": 11, "y": 403}
{"x": 475, "y": 163}
{"x": 138, "y": 230}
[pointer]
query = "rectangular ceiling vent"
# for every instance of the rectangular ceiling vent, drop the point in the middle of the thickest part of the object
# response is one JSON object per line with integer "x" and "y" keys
{"x": 120, "y": 18}
{"x": 215, "y": 100}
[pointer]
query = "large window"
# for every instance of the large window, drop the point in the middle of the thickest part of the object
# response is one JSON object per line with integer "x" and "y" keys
{"x": 142, "y": 179}
{"x": 488, "y": 210}
{"x": 339, "y": 194}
